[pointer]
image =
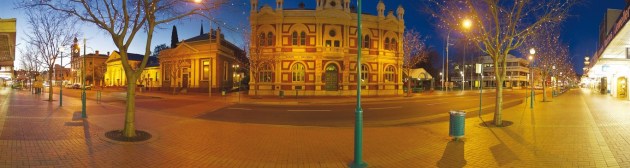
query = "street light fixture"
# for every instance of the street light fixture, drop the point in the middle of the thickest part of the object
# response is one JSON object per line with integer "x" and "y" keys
{"x": 467, "y": 24}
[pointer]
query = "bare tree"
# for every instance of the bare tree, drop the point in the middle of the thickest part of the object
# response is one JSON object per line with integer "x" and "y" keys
{"x": 550, "y": 53}
{"x": 415, "y": 51}
{"x": 258, "y": 61}
{"x": 49, "y": 32}
{"x": 31, "y": 64}
{"x": 123, "y": 20}
{"x": 172, "y": 68}
{"x": 499, "y": 27}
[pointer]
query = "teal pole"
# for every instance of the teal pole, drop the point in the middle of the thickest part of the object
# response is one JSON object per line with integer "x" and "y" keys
{"x": 358, "y": 123}
{"x": 480, "y": 88}
{"x": 61, "y": 83}
{"x": 531, "y": 71}
{"x": 83, "y": 96}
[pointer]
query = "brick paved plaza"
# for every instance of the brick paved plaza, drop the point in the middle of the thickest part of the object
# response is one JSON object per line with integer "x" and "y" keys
{"x": 576, "y": 129}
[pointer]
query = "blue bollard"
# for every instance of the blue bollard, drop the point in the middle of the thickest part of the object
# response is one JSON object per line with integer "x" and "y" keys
{"x": 456, "y": 124}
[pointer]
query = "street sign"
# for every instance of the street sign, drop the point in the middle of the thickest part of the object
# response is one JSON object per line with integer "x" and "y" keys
{"x": 478, "y": 68}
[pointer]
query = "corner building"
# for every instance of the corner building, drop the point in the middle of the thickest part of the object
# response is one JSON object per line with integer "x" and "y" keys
{"x": 313, "y": 51}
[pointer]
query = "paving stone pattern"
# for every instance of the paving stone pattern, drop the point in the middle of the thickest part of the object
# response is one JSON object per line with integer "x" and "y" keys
{"x": 576, "y": 129}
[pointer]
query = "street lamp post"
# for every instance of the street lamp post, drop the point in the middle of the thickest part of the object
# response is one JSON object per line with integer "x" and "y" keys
{"x": 554, "y": 82}
{"x": 462, "y": 73}
{"x": 532, "y": 51}
{"x": 234, "y": 75}
{"x": 358, "y": 114}
{"x": 442, "y": 80}
{"x": 83, "y": 95}
{"x": 61, "y": 83}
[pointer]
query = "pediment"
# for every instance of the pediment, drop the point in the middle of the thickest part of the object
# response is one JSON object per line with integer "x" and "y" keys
{"x": 113, "y": 56}
{"x": 184, "y": 47}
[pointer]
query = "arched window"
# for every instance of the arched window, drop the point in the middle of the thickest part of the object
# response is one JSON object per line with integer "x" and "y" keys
{"x": 303, "y": 38}
{"x": 366, "y": 42}
{"x": 261, "y": 39}
{"x": 269, "y": 39}
{"x": 298, "y": 72}
{"x": 387, "y": 43}
{"x": 394, "y": 45}
{"x": 364, "y": 72}
{"x": 390, "y": 74}
{"x": 265, "y": 73}
{"x": 294, "y": 38}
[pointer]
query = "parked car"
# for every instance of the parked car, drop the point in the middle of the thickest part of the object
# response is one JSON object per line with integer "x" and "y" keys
{"x": 78, "y": 86}
{"x": 69, "y": 86}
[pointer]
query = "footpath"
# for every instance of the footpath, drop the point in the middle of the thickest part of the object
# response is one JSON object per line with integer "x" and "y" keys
{"x": 576, "y": 129}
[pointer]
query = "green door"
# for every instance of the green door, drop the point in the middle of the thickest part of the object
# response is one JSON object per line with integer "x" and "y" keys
{"x": 331, "y": 77}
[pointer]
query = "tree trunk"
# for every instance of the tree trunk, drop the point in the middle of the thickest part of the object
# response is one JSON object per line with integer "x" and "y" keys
{"x": 408, "y": 85}
{"x": 544, "y": 91}
{"x": 130, "y": 113}
{"x": 498, "y": 109}
{"x": 50, "y": 93}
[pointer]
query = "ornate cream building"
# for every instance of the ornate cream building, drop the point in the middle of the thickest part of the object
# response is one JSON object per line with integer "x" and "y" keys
{"x": 115, "y": 74}
{"x": 201, "y": 60}
{"x": 313, "y": 51}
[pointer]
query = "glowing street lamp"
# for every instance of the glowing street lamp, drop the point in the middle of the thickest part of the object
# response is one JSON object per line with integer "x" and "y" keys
{"x": 467, "y": 24}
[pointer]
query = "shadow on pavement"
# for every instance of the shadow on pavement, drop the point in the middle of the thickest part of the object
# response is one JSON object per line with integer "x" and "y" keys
{"x": 453, "y": 155}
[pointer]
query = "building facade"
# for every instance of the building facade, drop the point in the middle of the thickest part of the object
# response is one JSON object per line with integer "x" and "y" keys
{"x": 607, "y": 72}
{"x": 7, "y": 50}
{"x": 313, "y": 51}
{"x": 517, "y": 73}
{"x": 95, "y": 68}
{"x": 198, "y": 61}
{"x": 115, "y": 73}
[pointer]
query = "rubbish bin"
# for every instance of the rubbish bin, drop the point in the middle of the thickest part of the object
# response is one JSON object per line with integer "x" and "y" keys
{"x": 456, "y": 124}
{"x": 281, "y": 94}
{"x": 223, "y": 93}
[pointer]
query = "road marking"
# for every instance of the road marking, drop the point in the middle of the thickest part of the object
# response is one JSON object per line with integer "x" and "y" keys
{"x": 308, "y": 110}
{"x": 239, "y": 109}
{"x": 382, "y": 108}
{"x": 437, "y": 103}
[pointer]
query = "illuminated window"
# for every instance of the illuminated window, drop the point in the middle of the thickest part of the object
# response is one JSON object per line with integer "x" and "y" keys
{"x": 205, "y": 74}
{"x": 364, "y": 72}
{"x": 366, "y": 42}
{"x": 303, "y": 38}
{"x": 389, "y": 74}
{"x": 294, "y": 38}
{"x": 269, "y": 39}
{"x": 265, "y": 74}
{"x": 261, "y": 39}
{"x": 298, "y": 72}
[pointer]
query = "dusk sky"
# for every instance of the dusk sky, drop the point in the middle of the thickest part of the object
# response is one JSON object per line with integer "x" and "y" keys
{"x": 580, "y": 31}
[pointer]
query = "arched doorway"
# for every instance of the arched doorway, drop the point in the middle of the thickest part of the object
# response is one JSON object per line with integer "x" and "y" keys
{"x": 622, "y": 87}
{"x": 331, "y": 77}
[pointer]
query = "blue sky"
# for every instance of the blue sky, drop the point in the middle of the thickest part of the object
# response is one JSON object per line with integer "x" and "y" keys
{"x": 580, "y": 31}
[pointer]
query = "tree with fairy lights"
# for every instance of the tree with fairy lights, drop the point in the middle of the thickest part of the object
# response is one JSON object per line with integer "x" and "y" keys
{"x": 500, "y": 27}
